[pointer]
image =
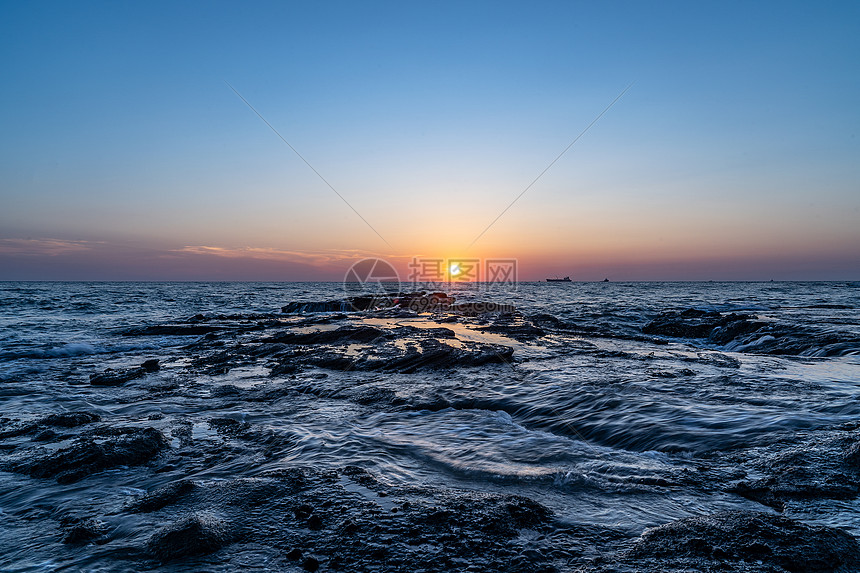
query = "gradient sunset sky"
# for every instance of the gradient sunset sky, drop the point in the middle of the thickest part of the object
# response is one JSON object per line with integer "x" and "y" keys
{"x": 124, "y": 155}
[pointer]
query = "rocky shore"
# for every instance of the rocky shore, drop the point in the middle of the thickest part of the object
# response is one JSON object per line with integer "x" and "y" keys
{"x": 350, "y": 518}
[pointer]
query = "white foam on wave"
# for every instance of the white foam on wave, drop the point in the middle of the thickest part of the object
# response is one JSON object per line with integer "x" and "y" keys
{"x": 72, "y": 349}
{"x": 752, "y": 346}
{"x": 64, "y": 351}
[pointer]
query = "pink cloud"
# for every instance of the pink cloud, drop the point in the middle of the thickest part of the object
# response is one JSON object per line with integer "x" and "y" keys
{"x": 45, "y": 247}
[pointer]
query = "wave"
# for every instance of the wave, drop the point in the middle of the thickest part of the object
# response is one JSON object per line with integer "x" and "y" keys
{"x": 71, "y": 350}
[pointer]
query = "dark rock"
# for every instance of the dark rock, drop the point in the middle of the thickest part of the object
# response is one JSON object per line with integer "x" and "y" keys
{"x": 420, "y": 354}
{"x": 70, "y": 419}
{"x": 822, "y": 467}
{"x": 83, "y": 530}
{"x": 479, "y": 308}
{"x": 514, "y": 326}
{"x": 59, "y": 420}
{"x": 339, "y": 522}
{"x": 315, "y": 522}
{"x": 350, "y": 304}
{"x": 311, "y": 564}
{"x": 197, "y": 534}
{"x": 283, "y": 369}
{"x": 88, "y": 456}
{"x": 326, "y": 306}
{"x": 303, "y": 511}
{"x": 690, "y": 323}
{"x": 852, "y": 456}
{"x": 163, "y": 496}
{"x": 744, "y": 333}
{"x": 342, "y": 335}
{"x": 111, "y": 377}
{"x": 295, "y": 554}
{"x": 228, "y": 426}
{"x": 376, "y": 396}
{"x": 548, "y": 320}
{"x": 18, "y": 429}
{"x": 226, "y": 390}
{"x": 151, "y": 365}
{"x": 753, "y": 536}
{"x": 172, "y": 330}
{"x": 414, "y": 331}
{"x": 419, "y": 301}
{"x": 46, "y": 436}
{"x": 423, "y": 302}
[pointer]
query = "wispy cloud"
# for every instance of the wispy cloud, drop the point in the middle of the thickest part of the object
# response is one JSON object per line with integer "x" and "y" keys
{"x": 317, "y": 258}
{"x": 45, "y": 247}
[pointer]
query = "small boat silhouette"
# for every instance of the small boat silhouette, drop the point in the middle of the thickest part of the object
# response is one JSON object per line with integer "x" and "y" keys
{"x": 557, "y": 280}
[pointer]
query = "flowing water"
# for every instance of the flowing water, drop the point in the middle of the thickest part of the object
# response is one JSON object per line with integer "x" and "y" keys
{"x": 600, "y": 423}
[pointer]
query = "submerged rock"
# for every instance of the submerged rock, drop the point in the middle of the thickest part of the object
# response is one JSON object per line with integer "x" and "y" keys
{"x": 348, "y": 520}
{"x": 514, "y": 326}
{"x": 690, "y": 323}
{"x": 196, "y": 534}
{"x": 824, "y": 467}
{"x": 342, "y": 335}
{"x": 111, "y": 377}
{"x": 479, "y": 308}
{"x": 746, "y": 333}
{"x": 424, "y": 302}
{"x": 420, "y": 301}
{"x": 420, "y": 355}
{"x": 89, "y": 455}
{"x": 172, "y": 330}
{"x": 753, "y": 537}
{"x": 349, "y": 304}
{"x": 70, "y": 419}
{"x": 163, "y": 496}
{"x": 76, "y": 530}
{"x": 42, "y": 427}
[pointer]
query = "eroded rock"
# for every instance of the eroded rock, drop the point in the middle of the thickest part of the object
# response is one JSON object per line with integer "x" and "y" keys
{"x": 748, "y": 333}
{"x": 348, "y": 520}
{"x": 83, "y": 530}
{"x": 92, "y": 454}
{"x": 196, "y": 534}
{"x": 753, "y": 537}
{"x": 111, "y": 377}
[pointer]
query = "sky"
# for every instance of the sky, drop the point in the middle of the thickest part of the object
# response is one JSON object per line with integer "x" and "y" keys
{"x": 126, "y": 155}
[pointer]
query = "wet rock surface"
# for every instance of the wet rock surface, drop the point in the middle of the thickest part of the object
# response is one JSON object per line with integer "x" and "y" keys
{"x": 302, "y": 440}
{"x": 819, "y": 467}
{"x": 111, "y": 377}
{"x": 196, "y": 534}
{"x": 104, "y": 449}
{"x": 514, "y": 325}
{"x": 419, "y": 302}
{"x": 84, "y": 530}
{"x": 748, "y": 333}
{"x": 48, "y": 424}
{"x": 392, "y": 347}
{"x": 765, "y": 541}
{"x": 348, "y": 520}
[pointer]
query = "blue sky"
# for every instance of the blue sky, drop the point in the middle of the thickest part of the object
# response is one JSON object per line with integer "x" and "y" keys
{"x": 734, "y": 155}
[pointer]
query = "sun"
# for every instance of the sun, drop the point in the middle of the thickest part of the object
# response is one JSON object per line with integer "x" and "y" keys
{"x": 454, "y": 269}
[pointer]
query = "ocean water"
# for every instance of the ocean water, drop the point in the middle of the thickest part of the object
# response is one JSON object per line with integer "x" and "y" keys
{"x": 604, "y": 424}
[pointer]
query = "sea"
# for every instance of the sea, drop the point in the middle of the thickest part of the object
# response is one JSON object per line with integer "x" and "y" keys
{"x": 602, "y": 423}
